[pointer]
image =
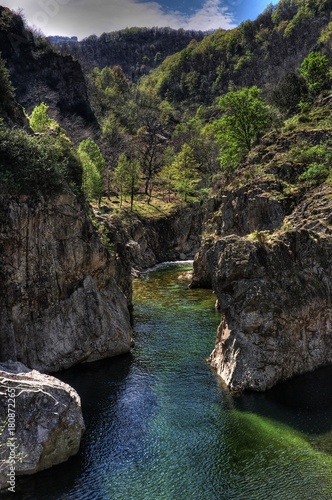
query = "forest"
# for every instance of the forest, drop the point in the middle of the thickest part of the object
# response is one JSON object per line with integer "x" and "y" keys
{"x": 180, "y": 132}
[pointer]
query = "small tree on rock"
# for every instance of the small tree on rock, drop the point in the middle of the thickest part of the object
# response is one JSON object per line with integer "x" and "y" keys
{"x": 40, "y": 121}
{"x": 185, "y": 171}
{"x": 315, "y": 71}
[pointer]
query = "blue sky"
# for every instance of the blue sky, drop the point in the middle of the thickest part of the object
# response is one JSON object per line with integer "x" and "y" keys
{"x": 86, "y": 17}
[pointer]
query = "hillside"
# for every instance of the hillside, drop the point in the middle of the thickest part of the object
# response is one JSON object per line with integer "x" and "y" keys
{"x": 259, "y": 52}
{"x": 136, "y": 50}
{"x": 267, "y": 255}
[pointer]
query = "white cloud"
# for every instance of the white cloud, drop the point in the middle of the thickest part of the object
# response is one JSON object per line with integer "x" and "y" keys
{"x": 87, "y": 17}
{"x": 211, "y": 16}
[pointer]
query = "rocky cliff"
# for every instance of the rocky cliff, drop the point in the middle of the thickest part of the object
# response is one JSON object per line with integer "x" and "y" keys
{"x": 149, "y": 241}
{"x": 176, "y": 237}
{"x": 268, "y": 258}
{"x": 63, "y": 298}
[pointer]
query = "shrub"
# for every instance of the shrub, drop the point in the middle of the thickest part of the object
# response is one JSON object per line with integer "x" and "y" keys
{"x": 36, "y": 165}
{"x": 315, "y": 174}
{"x": 39, "y": 119}
{"x": 315, "y": 71}
{"x": 317, "y": 160}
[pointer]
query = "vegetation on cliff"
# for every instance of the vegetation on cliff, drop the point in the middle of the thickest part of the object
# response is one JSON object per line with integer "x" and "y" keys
{"x": 39, "y": 74}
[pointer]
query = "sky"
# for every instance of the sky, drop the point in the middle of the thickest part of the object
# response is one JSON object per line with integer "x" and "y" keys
{"x": 87, "y": 17}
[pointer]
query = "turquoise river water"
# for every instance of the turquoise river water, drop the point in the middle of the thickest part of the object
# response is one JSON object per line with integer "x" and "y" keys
{"x": 160, "y": 425}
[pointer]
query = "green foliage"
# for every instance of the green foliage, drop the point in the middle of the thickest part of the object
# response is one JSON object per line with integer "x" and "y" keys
{"x": 316, "y": 173}
{"x": 36, "y": 166}
{"x": 245, "y": 117}
{"x": 39, "y": 119}
{"x": 137, "y": 50}
{"x": 305, "y": 13}
{"x": 185, "y": 172}
{"x": 201, "y": 141}
{"x": 315, "y": 71}
{"x": 7, "y": 102}
{"x": 287, "y": 95}
{"x": 108, "y": 91}
{"x": 93, "y": 164}
{"x": 127, "y": 176}
{"x": 326, "y": 36}
{"x": 317, "y": 160}
{"x": 285, "y": 10}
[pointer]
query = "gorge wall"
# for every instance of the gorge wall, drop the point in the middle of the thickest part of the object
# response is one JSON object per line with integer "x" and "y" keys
{"x": 64, "y": 297}
{"x": 176, "y": 237}
{"x": 268, "y": 259}
{"x": 149, "y": 241}
{"x": 66, "y": 286}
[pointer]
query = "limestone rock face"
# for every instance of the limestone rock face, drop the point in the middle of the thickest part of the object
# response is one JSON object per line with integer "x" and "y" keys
{"x": 176, "y": 237}
{"x": 46, "y": 421}
{"x": 277, "y": 310}
{"x": 62, "y": 299}
{"x": 273, "y": 288}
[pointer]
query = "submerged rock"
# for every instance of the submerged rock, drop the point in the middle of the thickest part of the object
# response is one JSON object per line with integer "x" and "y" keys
{"x": 41, "y": 421}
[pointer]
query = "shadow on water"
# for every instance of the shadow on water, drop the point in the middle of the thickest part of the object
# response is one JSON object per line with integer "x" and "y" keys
{"x": 305, "y": 402}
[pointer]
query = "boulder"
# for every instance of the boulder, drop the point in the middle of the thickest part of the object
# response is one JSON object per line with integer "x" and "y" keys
{"x": 40, "y": 420}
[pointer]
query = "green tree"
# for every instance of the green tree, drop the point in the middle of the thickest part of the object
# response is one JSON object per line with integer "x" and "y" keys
{"x": 115, "y": 141}
{"x": 127, "y": 176}
{"x": 245, "y": 117}
{"x": 93, "y": 164}
{"x": 185, "y": 170}
{"x": 202, "y": 143}
{"x": 315, "y": 71}
{"x": 39, "y": 119}
{"x": 167, "y": 175}
{"x": 37, "y": 165}
{"x": 108, "y": 90}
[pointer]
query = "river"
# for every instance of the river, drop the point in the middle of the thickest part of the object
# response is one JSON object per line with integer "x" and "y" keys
{"x": 160, "y": 425}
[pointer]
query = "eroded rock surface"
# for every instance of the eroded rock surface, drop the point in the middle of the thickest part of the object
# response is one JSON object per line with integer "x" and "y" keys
{"x": 269, "y": 260}
{"x": 63, "y": 296}
{"x": 277, "y": 311}
{"x": 41, "y": 421}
